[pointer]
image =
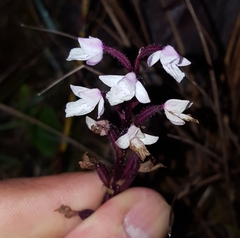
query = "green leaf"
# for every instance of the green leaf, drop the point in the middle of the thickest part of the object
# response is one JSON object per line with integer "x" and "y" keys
{"x": 44, "y": 141}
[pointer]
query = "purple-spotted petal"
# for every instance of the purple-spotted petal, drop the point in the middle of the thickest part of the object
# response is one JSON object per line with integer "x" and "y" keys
{"x": 123, "y": 91}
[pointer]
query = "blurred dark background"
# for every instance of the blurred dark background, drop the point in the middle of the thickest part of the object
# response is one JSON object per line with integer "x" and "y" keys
{"x": 202, "y": 179}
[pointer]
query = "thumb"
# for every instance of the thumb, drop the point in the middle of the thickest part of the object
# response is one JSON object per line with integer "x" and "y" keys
{"x": 135, "y": 213}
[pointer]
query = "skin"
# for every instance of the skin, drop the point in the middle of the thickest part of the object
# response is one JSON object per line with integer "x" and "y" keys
{"x": 27, "y": 208}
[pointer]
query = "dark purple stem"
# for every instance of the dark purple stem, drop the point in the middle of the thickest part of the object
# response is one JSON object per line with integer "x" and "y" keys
{"x": 113, "y": 135}
{"x": 143, "y": 52}
{"x": 103, "y": 173}
{"x": 120, "y": 56}
{"x": 120, "y": 111}
{"x": 130, "y": 105}
{"x": 147, "y": 113}
{"x": 118, "y": 166}
{"x": 129, "y": 172}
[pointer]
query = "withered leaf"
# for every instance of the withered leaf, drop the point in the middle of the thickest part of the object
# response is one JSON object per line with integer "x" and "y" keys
{"x": 86, "y": 162}
{"x": 148, "y": 166}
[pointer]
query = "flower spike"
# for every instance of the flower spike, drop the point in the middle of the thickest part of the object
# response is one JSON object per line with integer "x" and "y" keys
{"x": 89, "y": 99}
{"x": 173, "y": 110}
{"x": 170, "y": 61}
{"x": 91, "y": 50}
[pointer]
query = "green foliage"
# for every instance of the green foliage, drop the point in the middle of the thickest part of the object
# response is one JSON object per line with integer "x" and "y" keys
{"x": 43, "y": 140}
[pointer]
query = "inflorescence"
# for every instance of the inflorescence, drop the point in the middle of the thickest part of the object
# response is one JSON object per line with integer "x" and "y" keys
{"x": 125, "y": 93}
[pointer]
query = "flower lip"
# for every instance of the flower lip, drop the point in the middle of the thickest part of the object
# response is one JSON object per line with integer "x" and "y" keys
{"x": 124, "y": 88}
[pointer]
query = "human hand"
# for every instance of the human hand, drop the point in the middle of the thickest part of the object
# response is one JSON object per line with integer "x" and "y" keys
{"x": 27, "y": 209}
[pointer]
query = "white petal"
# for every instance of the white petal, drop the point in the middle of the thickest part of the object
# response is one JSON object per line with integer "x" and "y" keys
{"x": 91, "y": 96}
{"x": 77, "y": 108}
{"x": 141, "y": 93}
{"x": 78, "y": 89}
{"x": 90, "y": 122}
{"x": 184, "y": 62}
{"x": 77, "y": 54}
{"x": 110, "y": 80}
{"x": 153, "y": 58}
{"x": 130, "y": 78}
{"x": 174, "y": 71}
{"x": 95, "y": 59}
{"x": 123, "y": 141}
{"x": 168, "y": 55}
{"x": 100, "y": 107}
{"x": 176, "y": 105}
{"x": 134, "y": 131}
{"x": 174, "y": 119}
{"x": 120, "y": 93}
{"x": 149, "y": 139}
{"x": 91, "y": 45}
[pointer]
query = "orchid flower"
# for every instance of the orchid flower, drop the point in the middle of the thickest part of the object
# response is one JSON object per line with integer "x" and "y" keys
{"x": 136, "y": 141}
{"x": 124, "y": 88}
{"x": 173, "y": 110}
{"x": 170, "y": 61}
{"x": 89, "y": 98}
{"x": 91, "y": 50}
{"x": 98, "y": 127}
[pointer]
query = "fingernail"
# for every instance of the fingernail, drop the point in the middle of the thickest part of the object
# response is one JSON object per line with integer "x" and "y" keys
{"x": 147, "y": 219}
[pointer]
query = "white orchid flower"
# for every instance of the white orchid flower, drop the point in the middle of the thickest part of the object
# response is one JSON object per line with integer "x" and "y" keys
{"x": 124, "y": 88}
{"x": 136, "y": 141}
{"x": 170, "y": 61}
{"x": 173, "y": 110}
{"x": 91, "y": 50}
{"x": 89, "y": 98}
